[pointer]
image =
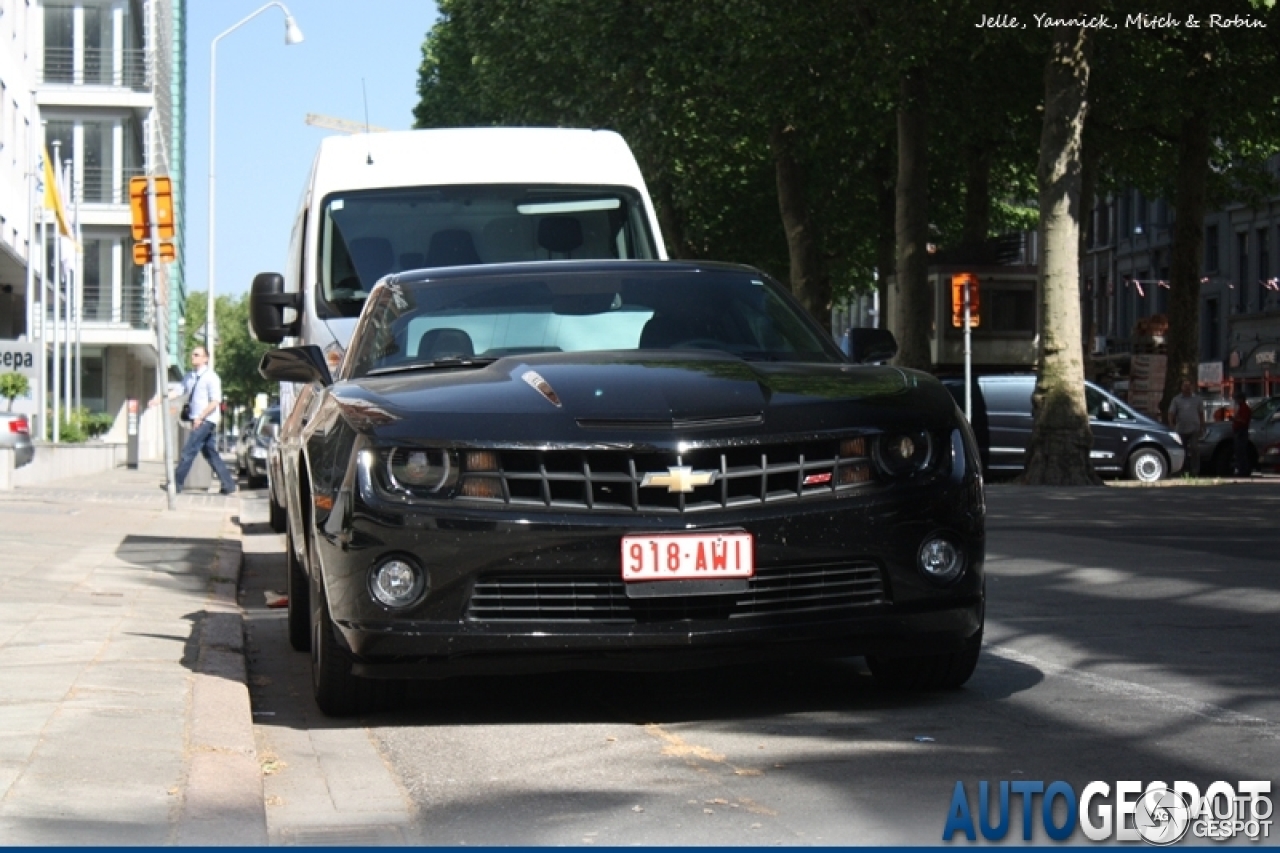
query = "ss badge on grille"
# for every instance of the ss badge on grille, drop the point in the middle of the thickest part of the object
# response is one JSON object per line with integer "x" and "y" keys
{"x": 679, "y": 479}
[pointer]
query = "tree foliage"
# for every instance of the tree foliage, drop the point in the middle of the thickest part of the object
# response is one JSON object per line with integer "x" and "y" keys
{"x": 838, "y": 144}
{"x": 13, "y": 385}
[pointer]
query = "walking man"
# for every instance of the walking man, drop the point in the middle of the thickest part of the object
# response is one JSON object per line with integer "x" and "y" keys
{"x": 1187, "y": 419}
{"x": 203, "y": 389}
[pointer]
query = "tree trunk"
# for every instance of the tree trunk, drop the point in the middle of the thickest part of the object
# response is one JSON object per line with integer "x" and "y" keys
{"x": 886, "y": 238}
{"x": 977, "y": 196}
{"x": 1188, "y": 246}
{"x": 1060, "y": 438}
{"x": 910, "y": 291}
{"x": 809, "y": 281}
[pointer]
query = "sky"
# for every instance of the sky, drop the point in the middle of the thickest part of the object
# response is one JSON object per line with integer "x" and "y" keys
{"x": 266, "y": 89}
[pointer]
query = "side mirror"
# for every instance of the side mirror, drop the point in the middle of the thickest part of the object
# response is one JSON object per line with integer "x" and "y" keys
{"x": 1106, "y": 411}
{"x": 267, "y": 304}
{"x": 867, "y": 346}
{"x": 295, "y": 364}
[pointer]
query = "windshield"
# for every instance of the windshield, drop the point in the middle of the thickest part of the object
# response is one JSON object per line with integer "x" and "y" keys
{"x": 452, "y": 321}
{"x": 368, "y": 234}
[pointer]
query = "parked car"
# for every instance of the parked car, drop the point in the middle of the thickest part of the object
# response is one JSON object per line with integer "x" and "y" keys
{"x": 626, "y": 464}
{"x": 1217, "y": 444}
{"x": 255, "y": 441}
{"x": 1125, "y": 442}
{"x": 15, "y": 432}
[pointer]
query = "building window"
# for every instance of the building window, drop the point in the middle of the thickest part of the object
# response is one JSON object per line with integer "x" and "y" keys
{"x": 1264, "y": 268}
{"x": 1209, "y": 343}
{"x": 1211, "y": 249}
{"x": 1242, "y": 271}
{"x": 1010, "y": 310}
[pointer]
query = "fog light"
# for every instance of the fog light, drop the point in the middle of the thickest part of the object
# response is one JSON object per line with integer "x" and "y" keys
{"x": 397, "y": 583}
{"x": 940, "y": 559}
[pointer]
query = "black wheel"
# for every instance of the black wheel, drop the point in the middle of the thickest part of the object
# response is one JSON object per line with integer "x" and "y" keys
{"x": 299, "y": 591}
{"x": 276, "y": 516}
{"x": 927, "y": 672}
{"x": 1148, "y": 465}
{"x": 337, "y": 691}
{"x": 255, "y": 481}
{"x": 1224, "y": 462}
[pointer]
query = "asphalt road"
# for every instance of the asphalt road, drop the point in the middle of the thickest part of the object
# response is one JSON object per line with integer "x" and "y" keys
{"x": 1132, "y": 634}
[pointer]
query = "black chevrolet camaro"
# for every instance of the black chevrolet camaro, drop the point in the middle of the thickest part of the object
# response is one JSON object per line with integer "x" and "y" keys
{"x": 619, "y": 465}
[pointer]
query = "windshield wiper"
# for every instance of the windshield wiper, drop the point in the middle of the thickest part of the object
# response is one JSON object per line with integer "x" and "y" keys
{"x": 454, "y": 361}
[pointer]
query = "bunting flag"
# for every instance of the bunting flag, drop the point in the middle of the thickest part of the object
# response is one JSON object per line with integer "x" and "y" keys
{"x": 53, "y": 196}
{"x": 1271, "y": 284}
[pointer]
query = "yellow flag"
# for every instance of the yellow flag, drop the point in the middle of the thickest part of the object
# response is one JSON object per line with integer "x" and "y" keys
{"x": 53, "y": 198}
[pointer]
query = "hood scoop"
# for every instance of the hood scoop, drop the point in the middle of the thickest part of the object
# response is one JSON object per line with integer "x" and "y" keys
{"x": 672, "y": 424}
{"x": 542, "y": 386}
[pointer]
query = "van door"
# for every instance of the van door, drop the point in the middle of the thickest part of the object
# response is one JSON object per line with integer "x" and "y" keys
{"x": 1112, "y": 428}
{"x": 1008, "y": 421}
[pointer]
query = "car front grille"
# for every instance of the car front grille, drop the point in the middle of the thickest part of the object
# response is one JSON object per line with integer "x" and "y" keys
{"x": 651, "y": 482}
{"x": 595, "y": 597}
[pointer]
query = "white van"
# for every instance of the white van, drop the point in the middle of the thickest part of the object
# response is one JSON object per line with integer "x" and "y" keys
{"x": 381, "y": 203}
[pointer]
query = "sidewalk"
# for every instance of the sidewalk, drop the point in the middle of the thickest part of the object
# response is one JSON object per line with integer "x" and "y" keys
{"x": 124, "y": 713}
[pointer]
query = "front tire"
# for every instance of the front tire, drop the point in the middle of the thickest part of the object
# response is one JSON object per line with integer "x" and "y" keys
{"x": 927, "y": 672}
{"x": 1148, "y": 465}
{"x": 299, "y": 591}
{"x": 337, "y": 691}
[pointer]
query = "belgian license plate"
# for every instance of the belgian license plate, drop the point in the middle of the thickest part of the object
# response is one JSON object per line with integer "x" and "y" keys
{"x": 688, "y": 556}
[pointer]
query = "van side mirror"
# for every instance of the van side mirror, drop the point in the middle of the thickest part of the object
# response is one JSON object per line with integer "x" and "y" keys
{"x": 867, "y": 346}
{"x": 295, "y": 364}
{"x": 267, "y": 304}
{"x": 1106, "y": 411}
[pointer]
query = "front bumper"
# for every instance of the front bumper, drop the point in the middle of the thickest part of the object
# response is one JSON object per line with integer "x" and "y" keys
{"x": 558, "y": 567}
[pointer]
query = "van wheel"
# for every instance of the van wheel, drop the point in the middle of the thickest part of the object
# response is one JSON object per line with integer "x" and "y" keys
{"x": 1148, "y": 465}
{"x": 927, "y": 672}
{"x": 275, "y": 515}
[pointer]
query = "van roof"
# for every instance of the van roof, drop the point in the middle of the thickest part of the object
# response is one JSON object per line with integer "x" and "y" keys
{"x": 487, "y": 155}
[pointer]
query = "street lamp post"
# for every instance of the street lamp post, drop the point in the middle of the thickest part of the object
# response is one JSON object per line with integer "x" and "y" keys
{"x": 292, "y": 35}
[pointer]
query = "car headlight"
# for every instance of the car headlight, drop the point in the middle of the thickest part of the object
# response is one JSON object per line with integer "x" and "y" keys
{"x": 1176, "y": 437}
{"x": 428, "y": 469}
{"x": 904, "y": 453}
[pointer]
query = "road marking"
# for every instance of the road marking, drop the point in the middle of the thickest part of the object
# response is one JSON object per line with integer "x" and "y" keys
{"x": 1133, "y": 690}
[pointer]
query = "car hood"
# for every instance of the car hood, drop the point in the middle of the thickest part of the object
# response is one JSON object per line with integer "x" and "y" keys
{"x": 577, "y": 397}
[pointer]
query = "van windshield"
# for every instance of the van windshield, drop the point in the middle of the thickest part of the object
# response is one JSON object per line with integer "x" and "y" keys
{"x": 368, "y": 234}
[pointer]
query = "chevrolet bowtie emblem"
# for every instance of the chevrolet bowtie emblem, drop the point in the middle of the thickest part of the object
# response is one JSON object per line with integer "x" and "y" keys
{"x": 680, "y": 479}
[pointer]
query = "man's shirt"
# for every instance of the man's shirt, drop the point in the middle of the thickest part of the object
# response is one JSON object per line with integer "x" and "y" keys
{"x": 202, "y": 388}
{"x": 1185, "y": 409}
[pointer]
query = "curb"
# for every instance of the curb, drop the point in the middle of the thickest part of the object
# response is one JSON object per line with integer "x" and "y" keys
{"x": 222, "y": 803}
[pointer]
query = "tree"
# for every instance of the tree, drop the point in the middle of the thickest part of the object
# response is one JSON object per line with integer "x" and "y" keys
{"x": 1190, "y": 113}
{"x": 1060, "y": 438}
{"x": 238, "y": 354}
{"x": 12, "y": 386}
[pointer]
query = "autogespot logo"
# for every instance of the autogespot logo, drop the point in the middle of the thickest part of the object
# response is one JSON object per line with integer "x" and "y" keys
{"x": 1159, "y": 814}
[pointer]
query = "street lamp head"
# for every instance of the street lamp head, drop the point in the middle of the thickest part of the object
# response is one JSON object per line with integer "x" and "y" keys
{"x": 292, "y": 35}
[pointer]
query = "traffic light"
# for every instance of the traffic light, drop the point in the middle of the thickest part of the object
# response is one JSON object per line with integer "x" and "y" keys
{"x": 139, "y": 210}
{"x": 142, "y": 253}
{"x": 959, "y": 282}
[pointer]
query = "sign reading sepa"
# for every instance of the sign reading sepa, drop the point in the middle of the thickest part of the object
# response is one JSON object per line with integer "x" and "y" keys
{"x": 1124, "y": 811}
